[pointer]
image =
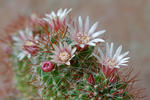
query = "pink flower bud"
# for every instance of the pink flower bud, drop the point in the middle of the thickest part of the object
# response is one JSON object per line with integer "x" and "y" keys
{"x": 91, "y": 80}
{"x": 47, "y": 66}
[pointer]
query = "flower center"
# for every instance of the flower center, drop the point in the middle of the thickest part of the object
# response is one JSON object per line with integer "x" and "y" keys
{"x": 30, "y": 47}
{"x": 29, "y": 43}
{"x": 83, "y": 38}
{"x": 55, "y": 17}
{"x": 109, "y": 62}
{"x": 64, "y": 56}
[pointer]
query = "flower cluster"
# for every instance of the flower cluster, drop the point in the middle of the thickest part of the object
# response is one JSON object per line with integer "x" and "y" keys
{"x": 66, "y": 61}
{"x": 80, "y": 34}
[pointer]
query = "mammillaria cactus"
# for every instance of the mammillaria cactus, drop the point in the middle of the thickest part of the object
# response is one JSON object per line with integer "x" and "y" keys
{"x": 61, "y": 58}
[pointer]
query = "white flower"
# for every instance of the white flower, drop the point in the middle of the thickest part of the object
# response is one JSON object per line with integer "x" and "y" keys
{"x": 62, "y": 54}
{"x": 112, "y": 60}
{"x": 83, "y": 35}
{"x": 57, "y": 20}
{"x": 25, "y": 44}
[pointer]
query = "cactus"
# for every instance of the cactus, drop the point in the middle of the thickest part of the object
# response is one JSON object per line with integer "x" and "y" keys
{"x": 59, "y": 58}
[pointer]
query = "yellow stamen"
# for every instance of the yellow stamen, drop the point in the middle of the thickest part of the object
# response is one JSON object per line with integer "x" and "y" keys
{"x": 64, "y": 56}
{"x": 29, "y": 43}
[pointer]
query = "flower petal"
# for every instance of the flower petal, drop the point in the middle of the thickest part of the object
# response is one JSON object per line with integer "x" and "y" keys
{"x": 86, "y": 24}
{"x": 98, "y": 58}
{"x": 111, "y": 49}
{"x": 59, "y": 12}
{"x": 96, "y": 34}
{"x": 107, "y": 50}
{"x": 21, "y": 56}
{"x": 101, "y": 53}
{"x": 82, "y": 45}
{"x": 68, "y": 63}
{"x": 118, "y": 51}
{"x": 91, "y": 44}
{"x": 123, "y": 55}
{"x": 97, "y": 40}
{"x": 73, "y": 51}
{"x": 93, "y": 28}
{"x": 80, "y": 24}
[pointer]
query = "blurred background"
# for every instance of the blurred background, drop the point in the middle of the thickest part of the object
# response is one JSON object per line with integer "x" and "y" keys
{"x": 127, "y": 22}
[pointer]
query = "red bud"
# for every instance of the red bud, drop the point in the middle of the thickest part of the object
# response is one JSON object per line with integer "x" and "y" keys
{"x": 91, "y": 80}
{"x": 47, "y": 66}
